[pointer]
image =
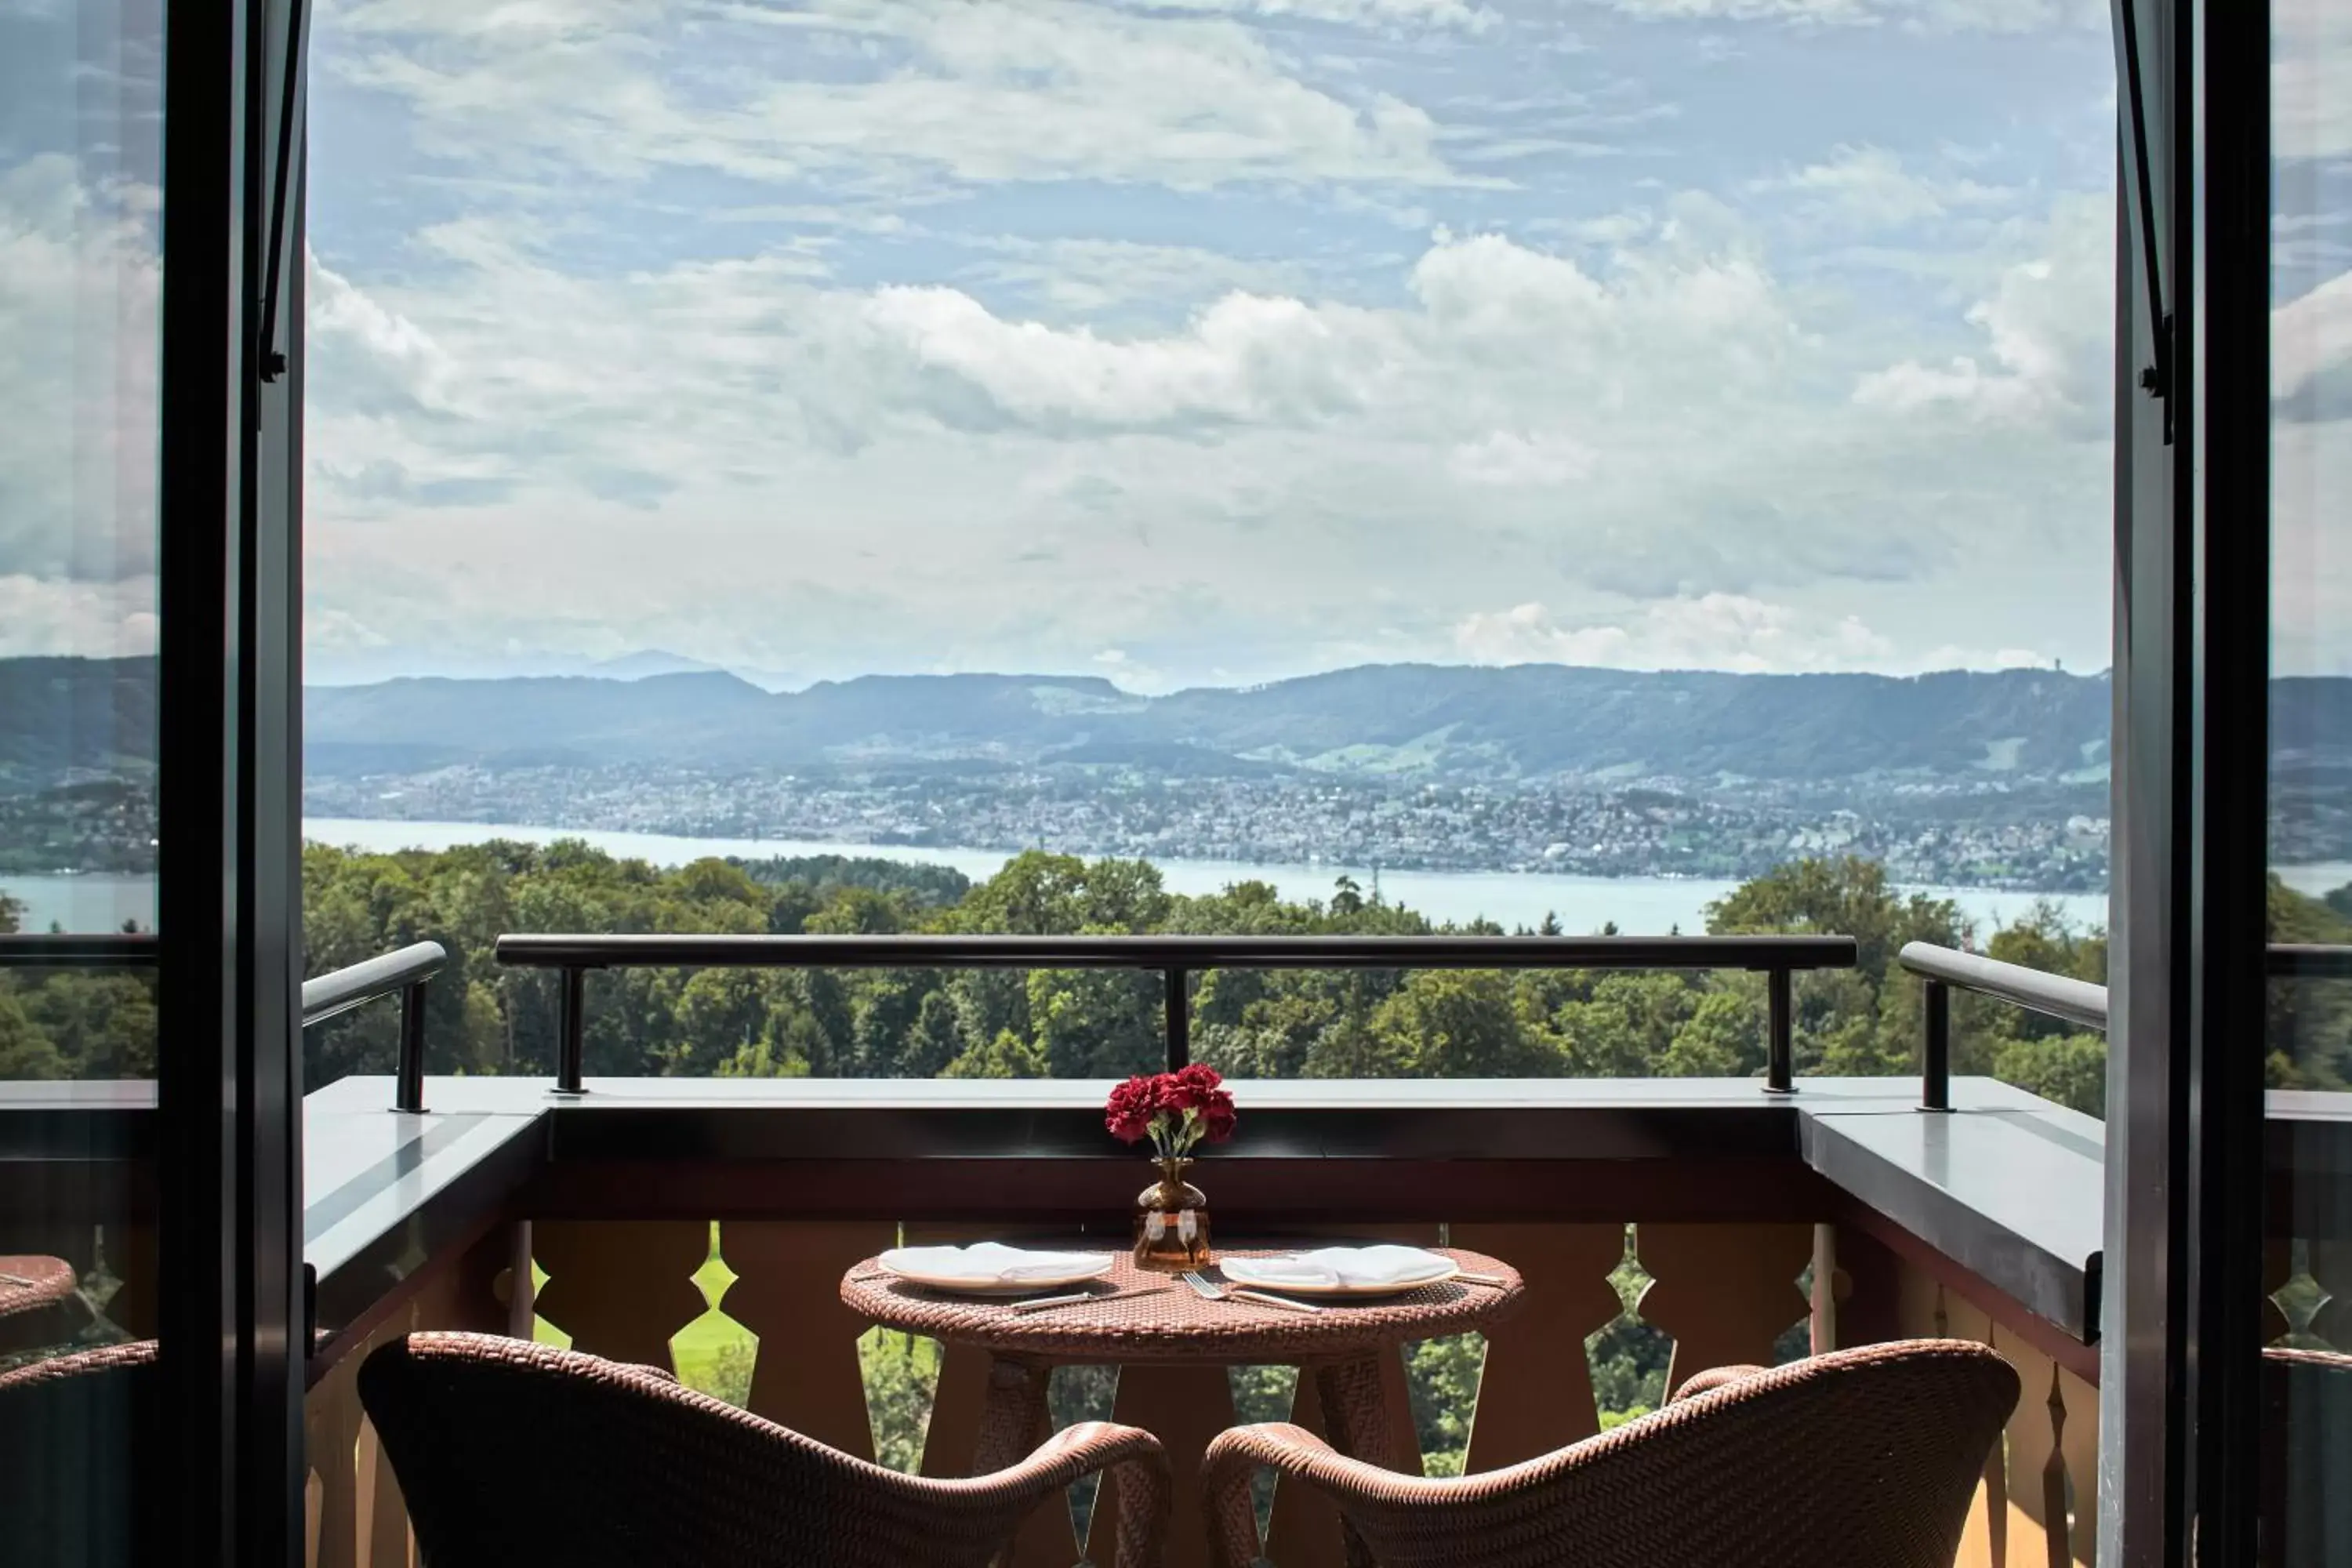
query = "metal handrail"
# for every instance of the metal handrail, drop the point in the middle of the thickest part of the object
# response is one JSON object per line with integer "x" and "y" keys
{"x": 2308, "y": 960}
{"x": 2055, "y": 995}
{"x": 1177, "y": 958}
{"x": 406, "y": 971}
{"x": 342, "y": 989}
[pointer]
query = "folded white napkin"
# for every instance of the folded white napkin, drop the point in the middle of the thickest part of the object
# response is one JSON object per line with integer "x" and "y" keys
{"x": 988, "y": 1263}
{"x": 1329, "y": 1267}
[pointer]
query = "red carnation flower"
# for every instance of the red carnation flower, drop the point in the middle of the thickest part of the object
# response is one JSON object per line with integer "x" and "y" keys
{"x": 1218, "y": 1116}
{"x": 1174, "y": 1110}
{"x": 1189, "y": 1087}
{"x": 1131, "y": 1108}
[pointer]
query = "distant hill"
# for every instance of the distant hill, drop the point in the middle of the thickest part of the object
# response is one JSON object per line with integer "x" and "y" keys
{"x": 59, "y": 716}
{"x": 648, "y": 661}
{"x": 1408, "y": 722}
{"x": 1403, "y": 721}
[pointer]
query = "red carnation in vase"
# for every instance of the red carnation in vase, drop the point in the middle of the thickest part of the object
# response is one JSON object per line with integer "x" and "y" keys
{"x": 1174, "y": 1110}
{"x": 1131, "y": 1108}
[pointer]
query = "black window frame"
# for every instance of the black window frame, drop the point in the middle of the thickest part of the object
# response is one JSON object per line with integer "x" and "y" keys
{"x": 2181, "y": 1359}
{"x": 228, "y": 919}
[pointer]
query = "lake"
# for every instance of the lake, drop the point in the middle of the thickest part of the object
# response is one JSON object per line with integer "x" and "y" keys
{"x": 1642, "y": 906}
{"x": 91, "y": 901}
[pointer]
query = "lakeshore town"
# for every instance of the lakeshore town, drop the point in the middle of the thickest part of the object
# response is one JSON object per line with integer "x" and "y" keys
{"x": 1985, "y": 837}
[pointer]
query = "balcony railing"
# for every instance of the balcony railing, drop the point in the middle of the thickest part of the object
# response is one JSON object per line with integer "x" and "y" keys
{"x": 1945, "y": 970}
{"x": 1178, "y": 958}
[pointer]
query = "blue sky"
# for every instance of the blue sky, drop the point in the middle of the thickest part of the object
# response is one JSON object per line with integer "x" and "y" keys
{"x": 1210, "y": 340}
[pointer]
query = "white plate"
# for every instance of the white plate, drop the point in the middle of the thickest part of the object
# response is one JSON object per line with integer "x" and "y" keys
{"x": 992, "y": 1269}
{"x": 1384, "y": 1270}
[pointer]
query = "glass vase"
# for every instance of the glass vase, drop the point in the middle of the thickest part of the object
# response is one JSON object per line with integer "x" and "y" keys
{"x": 1172, "y": 1222}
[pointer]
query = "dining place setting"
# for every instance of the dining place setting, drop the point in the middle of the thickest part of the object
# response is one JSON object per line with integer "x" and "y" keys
{"x": 1173, "y": 1308}
{"x": 1027, "y": 1279}
{"x": 1172, "y": 1287}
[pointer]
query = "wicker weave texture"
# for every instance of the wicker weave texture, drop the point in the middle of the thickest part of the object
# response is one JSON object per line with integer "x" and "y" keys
{"x": 1143, "y": 1317}
{"x": 509, "y": 1452}
{"x": 45, "y": 1281}
{"x": 1713, "y": 1378}
{"x": 1867, "y": 1458}
{"x": 80, "y": 1363}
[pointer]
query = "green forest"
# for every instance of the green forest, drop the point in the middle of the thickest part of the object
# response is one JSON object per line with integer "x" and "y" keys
{"x": 485, "y": 1019}
{"x": 1249, "y": 1024}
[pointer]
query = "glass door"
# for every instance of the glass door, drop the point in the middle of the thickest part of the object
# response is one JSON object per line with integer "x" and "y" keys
{"x": 150, "y": 1297}
{"x": 2306, "y": 1400}
{"x": 81, "y": 254}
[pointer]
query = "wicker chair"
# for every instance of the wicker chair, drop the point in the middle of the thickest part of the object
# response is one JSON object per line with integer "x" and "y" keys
{"x": 77, "y": 1459}
{"x": 1861, "y": 1456}
{"x": 512, "y": 1452}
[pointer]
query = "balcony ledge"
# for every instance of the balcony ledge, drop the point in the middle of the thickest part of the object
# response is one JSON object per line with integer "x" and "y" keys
{"x": 2005, "y": 1191}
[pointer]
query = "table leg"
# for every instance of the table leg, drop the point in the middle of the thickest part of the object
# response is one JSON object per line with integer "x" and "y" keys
{"x": 1185, "y": 1406}
{"x": 1014, "y": 1420}
{"x": 1357, "y": 1421}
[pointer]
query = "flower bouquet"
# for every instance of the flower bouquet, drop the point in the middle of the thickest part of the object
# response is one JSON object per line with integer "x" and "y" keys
{"x": 1177, "y": 1111}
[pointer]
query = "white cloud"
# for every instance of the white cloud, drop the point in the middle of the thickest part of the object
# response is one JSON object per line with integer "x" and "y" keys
{"x": 78, "y": 415}
{"x": 1922, "y": 15}
{"x": 2311, "y": 349}
{"x": 1247, "y": 358}
{"x": 1099, "y": 279}
{"x": 897, "y": 89}
{"x": 819, "y": 466}
{"x": 1870, "y": 186}
{"x": 2050, "y": 336}
{"x": 1381, "y": 14}
{"x": 914, "y": 334}
{"x": 1711, "y": 631}
{"x": 88, "y": 620}
{"x": 1508, "y": 457}
{"x": 2311, "y": 52}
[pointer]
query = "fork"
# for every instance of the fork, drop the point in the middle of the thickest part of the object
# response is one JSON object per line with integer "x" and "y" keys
{"x": 1209, "y": 1292}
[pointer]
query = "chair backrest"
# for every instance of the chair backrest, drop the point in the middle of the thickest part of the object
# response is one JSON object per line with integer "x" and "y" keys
{"x": 1866, "y": 1456}
{"x": 77, "y": 1459}
{"x": 512, "y": 1452}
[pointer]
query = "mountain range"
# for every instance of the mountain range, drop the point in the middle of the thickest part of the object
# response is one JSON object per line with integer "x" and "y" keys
{"x": 1516, "y": 723}
{"x": 1527, "y": 721}
{"x": 1521, "y": 721}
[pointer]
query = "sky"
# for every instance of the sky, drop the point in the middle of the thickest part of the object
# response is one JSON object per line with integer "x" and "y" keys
{"x": 1179, "y": 341}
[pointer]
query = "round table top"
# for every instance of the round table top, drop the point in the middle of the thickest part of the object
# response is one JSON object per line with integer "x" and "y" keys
{"x": 26, "y": 1282}
{"x": 1138, "y": 1316}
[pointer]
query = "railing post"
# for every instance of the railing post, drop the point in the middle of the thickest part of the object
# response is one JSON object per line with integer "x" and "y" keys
{"x": 1936, "y": 1056}
{"x": 571, "y": 1030}
{"x": 1780, "y": 1044}
{"x": 1179, "y": 1021}
{"x": 408, "y": 1072}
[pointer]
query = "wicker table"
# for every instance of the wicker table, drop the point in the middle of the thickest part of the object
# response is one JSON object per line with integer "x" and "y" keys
{"x": 1139, "y": 1318}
